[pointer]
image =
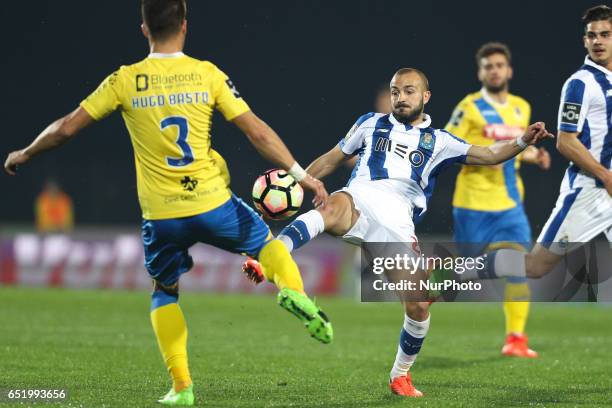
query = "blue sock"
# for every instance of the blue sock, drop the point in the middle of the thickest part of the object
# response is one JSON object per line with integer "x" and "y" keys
{"x": 411, "y": 339}
{"x": 160, "y": 298}
{"x": 303, "y": 229}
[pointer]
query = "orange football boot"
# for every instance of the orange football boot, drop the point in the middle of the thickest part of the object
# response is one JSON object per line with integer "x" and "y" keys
{"x": 516, "y": 346}
{"x": 403, "y": 386}
{"x": 252, "y": 269}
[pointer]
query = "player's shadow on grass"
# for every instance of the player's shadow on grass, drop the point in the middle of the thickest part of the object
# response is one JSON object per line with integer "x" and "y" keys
{"x": 492, "y": 394}
{"x": 506, "y": 396}
{"x": 387, "y": 400}
{"x": 433, "y": 362}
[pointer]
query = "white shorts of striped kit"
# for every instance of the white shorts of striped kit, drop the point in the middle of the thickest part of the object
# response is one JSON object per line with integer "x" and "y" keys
{"x": 580, "y": 215}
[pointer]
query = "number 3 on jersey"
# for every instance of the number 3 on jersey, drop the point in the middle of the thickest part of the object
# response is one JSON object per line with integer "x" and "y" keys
{"x": 181, "y": 141}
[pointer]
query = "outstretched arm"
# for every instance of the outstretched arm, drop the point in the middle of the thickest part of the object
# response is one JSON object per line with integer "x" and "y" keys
{"x": 540, "y": 157}
{"x": 502, "y": 151}
{"x": 327, "y": 163}
{"x": 570, "y": 147}
{"x": 271, "y": 147}
{"x": 56, "y": 134}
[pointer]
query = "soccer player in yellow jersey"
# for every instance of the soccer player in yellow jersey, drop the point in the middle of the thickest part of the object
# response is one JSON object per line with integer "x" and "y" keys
{"x": 167, "y": 101}
{"x": 488, "y": 201}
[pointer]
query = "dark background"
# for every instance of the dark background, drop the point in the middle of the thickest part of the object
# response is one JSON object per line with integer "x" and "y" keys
{"x": 309, "y": 68}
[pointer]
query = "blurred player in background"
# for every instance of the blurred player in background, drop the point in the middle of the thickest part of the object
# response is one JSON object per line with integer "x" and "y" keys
{"x": 54, "y": 210}
{"x": 488, "y": 208}
{"x": 399, "y": 157}
{"x": 167, "y": 102}
{"x": 382, "y": 103}
{"x": 584, "y": 207}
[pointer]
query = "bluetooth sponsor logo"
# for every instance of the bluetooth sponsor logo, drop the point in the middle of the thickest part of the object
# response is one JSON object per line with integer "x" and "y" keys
{"x": 155, "y": 81}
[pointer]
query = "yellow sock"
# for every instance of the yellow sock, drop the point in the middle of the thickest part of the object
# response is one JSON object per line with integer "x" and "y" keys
{"x": 171, "y": 332}
{"x": 279, "y": 267}
{"x": 516, "y": 307}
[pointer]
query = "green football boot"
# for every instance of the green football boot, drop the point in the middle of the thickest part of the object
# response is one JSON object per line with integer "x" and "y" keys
{"x": 316, "y": 322}
{"x": 181, "y": 398}
{"x": 437, "y": 277}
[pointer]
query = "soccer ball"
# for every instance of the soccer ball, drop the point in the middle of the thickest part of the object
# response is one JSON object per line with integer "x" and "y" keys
{"x": 277, "y": 195}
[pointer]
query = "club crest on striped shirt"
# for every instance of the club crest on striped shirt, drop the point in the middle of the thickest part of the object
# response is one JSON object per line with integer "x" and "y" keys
{"x": 427, "y": 141}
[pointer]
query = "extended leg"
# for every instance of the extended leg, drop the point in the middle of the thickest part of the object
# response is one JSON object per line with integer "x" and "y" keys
{"x": 510, "y": 263}
{"x": 336, "y": 217}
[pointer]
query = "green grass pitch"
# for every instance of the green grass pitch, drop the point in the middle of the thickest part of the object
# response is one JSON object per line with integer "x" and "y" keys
{"x": 247, "y": 352}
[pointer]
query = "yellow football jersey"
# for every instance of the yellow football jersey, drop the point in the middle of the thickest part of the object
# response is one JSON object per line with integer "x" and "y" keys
{"x": 481, "y": 121}
{"x": 167, "y": 103}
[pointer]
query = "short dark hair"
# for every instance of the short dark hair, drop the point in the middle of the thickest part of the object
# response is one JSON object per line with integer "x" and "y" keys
{"x": 597, "y": 13}
{"x": 491, "y": 48}
{"x": 163, "y": 18}
{"x": 420, "y": 73}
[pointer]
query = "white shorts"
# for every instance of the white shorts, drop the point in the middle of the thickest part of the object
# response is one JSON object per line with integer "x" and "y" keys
{"x": 384, "y": 216}
{"x": 579, "y": 216}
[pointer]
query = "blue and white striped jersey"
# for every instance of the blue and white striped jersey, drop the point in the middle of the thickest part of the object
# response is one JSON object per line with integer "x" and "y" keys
{"x": 409, "y": 157}
{"x": 586, "y": 107}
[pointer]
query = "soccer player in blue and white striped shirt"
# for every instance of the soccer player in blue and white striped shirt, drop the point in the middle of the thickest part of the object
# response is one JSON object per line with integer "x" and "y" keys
{"x": 584, "y": 207}
{"x": 399, "y": 157}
